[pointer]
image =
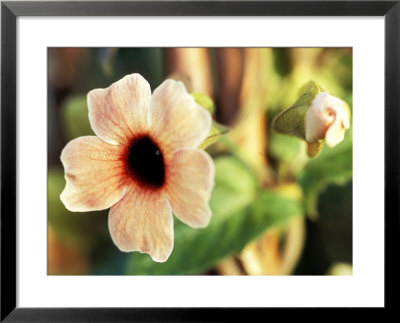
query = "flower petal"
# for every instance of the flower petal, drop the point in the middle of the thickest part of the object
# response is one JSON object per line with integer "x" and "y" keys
{"x": 176, "y": 119}
{"x": 190, "y": 179}
{"x": 327, "y": 118}
{"x": 94, "y": 174}
{"x": 335, "y": 133}
{"x": 318, "y": 119}
{"x": 115, "y": 113}
{"x": 142, "y": 221}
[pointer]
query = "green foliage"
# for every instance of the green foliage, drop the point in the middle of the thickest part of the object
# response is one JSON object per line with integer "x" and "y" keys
{"x": 332, "y": 166}
{"x": 75, "y": 117}
{"x": 340, "y": 269}
{"x": 216, "y": 131}
{"x": 314, "y": 148}
{"x": 291, "y": 120}
{"x": 79, "y": 228}
{"x": 284, "y": 148}
{"x": 205, "y": 101}
{"x": 241, "y": 212}
{"x": 308, "y": 92}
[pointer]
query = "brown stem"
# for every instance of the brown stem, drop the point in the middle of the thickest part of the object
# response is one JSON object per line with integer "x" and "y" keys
{"x": 229, "y": 66}
{"x": 192, "y": 66}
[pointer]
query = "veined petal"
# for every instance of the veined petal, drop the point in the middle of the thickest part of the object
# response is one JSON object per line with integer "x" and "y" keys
{"x": 121, "y": 110}
{"x": 94, "y": 174}
{"x": 176, "y": 120}
{"x": 142, "y": 221}
{"x": 190, "y": 179}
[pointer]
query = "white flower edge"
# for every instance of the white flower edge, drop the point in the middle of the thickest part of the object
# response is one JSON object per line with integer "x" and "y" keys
{"x": 327, "y": 119}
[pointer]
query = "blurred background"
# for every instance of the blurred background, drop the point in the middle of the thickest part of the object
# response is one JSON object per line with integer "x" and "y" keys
{"x": 275, "y": 210}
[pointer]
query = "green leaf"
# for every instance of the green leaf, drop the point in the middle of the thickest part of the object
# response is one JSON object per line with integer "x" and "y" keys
{"x": 241, "y": 212}
{"x": 75, "y": 119}
{"x": 204, "y": 100}
{"x": 314, "y": 148}
{"x": 308, "y": 92}
{"x": 284, "y": 148}
{"x": 332, "y": 166}
{"x": 216, "y": 131}
{"x": 291, "y": 120}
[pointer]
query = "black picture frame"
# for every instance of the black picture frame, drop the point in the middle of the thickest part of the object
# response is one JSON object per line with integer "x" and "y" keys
{"x": 10, "y": 11}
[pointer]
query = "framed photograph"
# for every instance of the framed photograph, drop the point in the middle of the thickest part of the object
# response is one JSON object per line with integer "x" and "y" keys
{"x": 184, "y": 160}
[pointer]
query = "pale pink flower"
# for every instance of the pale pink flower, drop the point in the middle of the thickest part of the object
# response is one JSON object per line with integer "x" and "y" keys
{"x": 327, "y": 119}
{"x": 143, "y": 163}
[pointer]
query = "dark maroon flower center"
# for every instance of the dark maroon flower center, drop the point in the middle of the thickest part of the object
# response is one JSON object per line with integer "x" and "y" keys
{"x": 146, "y": 162}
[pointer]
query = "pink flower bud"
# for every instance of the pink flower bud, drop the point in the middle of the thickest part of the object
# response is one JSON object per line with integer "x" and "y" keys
{"x": 327, "y": 118}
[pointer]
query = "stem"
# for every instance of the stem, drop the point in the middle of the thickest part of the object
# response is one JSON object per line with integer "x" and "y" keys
{"x": 192, "y": 66}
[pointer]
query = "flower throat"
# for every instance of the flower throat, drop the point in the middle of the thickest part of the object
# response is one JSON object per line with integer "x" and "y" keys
{"x": 145, "y": 162}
